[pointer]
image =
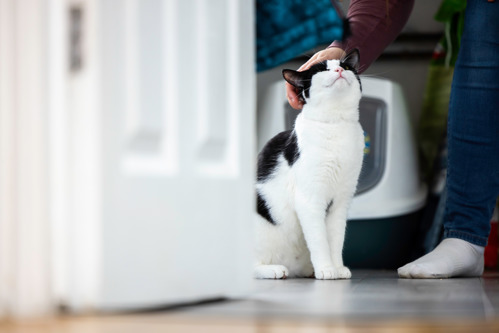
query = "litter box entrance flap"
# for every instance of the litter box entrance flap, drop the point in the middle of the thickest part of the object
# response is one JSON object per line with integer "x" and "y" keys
{"x": 373, "y": 120}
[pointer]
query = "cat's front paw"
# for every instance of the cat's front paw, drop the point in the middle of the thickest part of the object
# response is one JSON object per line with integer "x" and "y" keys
{"x": 271, "y": 272}
{"x": 343, "y": 272}
{"x": 326, "y": 273}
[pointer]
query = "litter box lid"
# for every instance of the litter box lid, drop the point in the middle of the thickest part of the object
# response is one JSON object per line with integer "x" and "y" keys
{"x": 389, "y": 184}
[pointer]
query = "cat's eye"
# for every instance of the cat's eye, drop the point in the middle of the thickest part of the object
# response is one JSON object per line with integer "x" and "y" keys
{"x": 347, "y": 68}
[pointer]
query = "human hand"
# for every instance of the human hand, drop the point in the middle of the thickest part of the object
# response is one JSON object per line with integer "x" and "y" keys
{"x": 327, "y": 54}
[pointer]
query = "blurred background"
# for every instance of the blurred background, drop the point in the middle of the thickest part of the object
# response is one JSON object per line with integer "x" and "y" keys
{"x": 128, "y": 138}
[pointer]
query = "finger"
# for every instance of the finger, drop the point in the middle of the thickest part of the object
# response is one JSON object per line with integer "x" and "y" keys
{"x": 291, "y": 94}
{"x": 327, "y": 54}
{"x": 296, "y": 104}
{"x": 293, "y": 99}
{"x": 309, "y": 63}
{"x": 317, "y": 58}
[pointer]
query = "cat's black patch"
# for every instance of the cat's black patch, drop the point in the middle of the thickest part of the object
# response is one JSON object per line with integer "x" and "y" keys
{"x": 348, "y": 68}
{"x": 307, "y": 80}
{"x": 263, "y": 209}
{"x": 291, "y": 152}
{"x": 302, "y": 80}
{"x": 283, "y": 143}
{"x": 351, "y": 62}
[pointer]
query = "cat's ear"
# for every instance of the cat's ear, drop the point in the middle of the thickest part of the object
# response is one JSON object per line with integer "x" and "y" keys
{"x": 352, "y": 59}
{"x": 294, "y": 78}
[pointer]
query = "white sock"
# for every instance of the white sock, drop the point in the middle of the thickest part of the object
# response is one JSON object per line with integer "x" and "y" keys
{"x": 453, "y": 257}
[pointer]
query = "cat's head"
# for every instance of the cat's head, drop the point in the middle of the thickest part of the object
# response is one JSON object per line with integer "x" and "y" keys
{"x": 332, "y": 81}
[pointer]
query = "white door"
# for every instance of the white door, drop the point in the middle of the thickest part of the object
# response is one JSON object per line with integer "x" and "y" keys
{"x": 167, "y": 208}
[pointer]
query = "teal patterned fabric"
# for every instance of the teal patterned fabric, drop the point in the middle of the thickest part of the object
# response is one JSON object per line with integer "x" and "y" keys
{"x": 288, "y": 28}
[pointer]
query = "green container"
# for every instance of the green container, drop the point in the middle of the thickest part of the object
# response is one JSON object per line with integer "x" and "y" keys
{"x": 386, "y": 243}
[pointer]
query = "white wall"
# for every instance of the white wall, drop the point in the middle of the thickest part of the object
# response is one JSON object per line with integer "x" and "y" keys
{"x": 25, "y": 274}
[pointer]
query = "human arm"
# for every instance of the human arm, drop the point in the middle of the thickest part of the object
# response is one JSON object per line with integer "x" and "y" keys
{"x": 374, "y": 24}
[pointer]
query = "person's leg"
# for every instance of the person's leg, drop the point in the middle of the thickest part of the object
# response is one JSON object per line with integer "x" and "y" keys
{"x": 473, "y": 161}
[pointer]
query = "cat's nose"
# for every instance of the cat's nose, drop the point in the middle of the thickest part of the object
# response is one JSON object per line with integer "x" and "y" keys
{"x": 339, "y": 70}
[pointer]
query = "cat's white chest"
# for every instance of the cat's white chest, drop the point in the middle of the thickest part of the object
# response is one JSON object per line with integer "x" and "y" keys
{"x": 330, "y": 156}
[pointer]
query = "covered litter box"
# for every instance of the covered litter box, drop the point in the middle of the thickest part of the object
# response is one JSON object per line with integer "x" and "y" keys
{"x": 384, "y": 215}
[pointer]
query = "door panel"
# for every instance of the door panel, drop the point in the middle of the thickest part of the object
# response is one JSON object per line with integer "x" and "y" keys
{"x": 178, "y": 151}
{"x": 151, "y": 122}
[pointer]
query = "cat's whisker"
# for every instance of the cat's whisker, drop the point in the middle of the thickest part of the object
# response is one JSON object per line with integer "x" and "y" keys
{"x": 345, "y": 57}
{"x": 304, "y": 90}
{"x": 361, "y": 68}
{"x": 375, "y": 74}
{"x": 370, "y": 75}
{"x": 376, "y": 77}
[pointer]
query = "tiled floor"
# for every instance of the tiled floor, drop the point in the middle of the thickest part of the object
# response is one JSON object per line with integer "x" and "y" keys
{"x": 368, "y": 295}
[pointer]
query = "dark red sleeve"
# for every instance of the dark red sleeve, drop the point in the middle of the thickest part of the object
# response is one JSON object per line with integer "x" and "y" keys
{"x": 374, "y": 24}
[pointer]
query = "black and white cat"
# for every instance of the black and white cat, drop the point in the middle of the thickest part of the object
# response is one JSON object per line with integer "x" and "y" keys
{"x": 307, "y": 177}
